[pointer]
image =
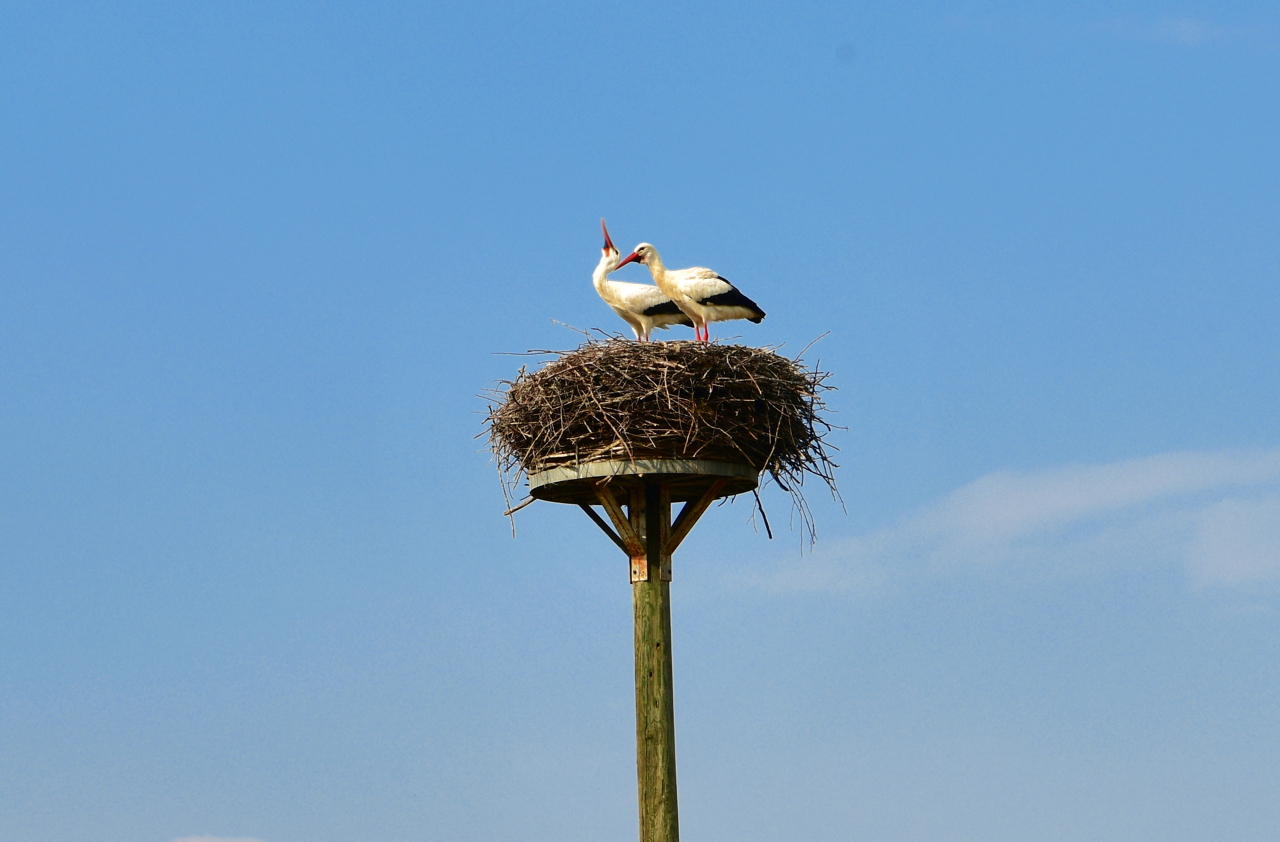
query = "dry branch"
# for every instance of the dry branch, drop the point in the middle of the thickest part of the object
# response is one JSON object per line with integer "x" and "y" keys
{"x": 665, "y": 400}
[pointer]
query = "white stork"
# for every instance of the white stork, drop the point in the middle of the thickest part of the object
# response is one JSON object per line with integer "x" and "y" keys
{"x": 703, "y": 295}
{"x": 642, "y": 306}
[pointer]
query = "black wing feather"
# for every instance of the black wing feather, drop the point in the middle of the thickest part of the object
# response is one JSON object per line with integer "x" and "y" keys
{"x": 734, "y": 298}
{"x": 666, "y": 308}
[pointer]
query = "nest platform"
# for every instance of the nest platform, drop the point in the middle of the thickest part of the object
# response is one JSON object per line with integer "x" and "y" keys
{"x": 686, "y": 479}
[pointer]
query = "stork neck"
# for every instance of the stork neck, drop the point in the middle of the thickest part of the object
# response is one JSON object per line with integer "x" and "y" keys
{"x": 656, "y": 268}
{"x": 600, "y": 277}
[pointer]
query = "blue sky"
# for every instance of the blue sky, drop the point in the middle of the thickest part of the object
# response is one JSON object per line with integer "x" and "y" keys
{"x": 258, "y": 261}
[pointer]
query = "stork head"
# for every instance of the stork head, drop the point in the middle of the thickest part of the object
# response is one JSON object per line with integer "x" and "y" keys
{"x": 608, "y": 257}
{"x": 643, "y": 252}
{"x": 609, "y": 250}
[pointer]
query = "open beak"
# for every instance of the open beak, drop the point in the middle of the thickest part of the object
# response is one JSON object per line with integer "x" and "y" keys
{"x": 630, "y": 258}
{"x": 608, "y": 244}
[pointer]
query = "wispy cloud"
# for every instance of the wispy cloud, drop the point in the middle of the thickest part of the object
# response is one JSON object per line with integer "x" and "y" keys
{"x": 1237, "y": 541}
{"x": 1216, "y": 514}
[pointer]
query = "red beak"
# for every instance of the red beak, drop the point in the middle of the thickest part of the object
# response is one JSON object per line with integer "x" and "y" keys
{"x": 630, "y": 258}
{"x": 607, "y": 242}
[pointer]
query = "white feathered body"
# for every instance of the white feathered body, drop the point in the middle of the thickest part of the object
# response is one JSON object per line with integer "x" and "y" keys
{"x": 706, "y": 297}
{"x": 642, "y": 306}
{"x": 700, "y": 293}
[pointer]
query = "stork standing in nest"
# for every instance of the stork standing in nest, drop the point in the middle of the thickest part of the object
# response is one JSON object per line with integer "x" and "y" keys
{"x": 702, "y": 294}
{"x": 642, "y": 306}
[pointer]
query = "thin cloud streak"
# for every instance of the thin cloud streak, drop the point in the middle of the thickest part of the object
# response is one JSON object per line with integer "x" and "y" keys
{"x": 1237, "y": 541}
{"x": 1217, "y": 514}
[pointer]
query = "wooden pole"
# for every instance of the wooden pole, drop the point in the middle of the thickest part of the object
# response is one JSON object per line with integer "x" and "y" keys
{"x": 650, "y": 511}
{"x": 645, "y": 533}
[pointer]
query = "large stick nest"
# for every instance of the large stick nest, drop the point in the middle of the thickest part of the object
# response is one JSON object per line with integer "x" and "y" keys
{"x": 619, "y": 399}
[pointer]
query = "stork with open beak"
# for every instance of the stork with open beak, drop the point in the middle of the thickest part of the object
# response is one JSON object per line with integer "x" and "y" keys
{"x": 642, "y": 306}
{"x": 700, "y": 293}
